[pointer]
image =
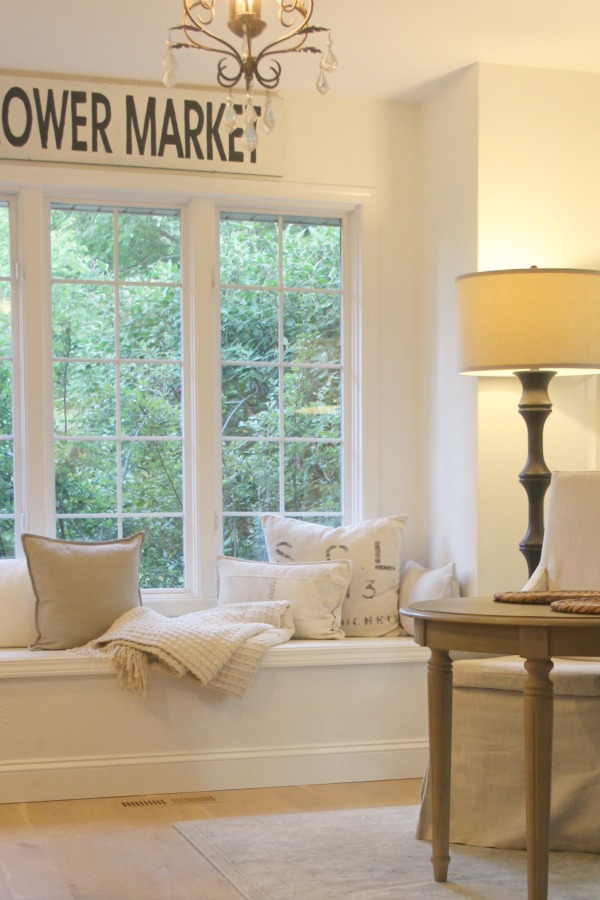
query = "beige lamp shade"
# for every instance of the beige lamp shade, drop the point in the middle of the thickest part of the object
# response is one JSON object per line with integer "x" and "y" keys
{"x": 518, "y": 319}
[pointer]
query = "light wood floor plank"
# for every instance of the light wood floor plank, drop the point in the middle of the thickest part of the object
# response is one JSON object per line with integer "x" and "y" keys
{"x": 113, "y": 849}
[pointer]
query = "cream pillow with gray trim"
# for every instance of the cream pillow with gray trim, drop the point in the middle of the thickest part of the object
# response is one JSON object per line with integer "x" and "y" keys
{"x": 315, "y": 591}
{"x": 373, "y": 546}
{"x": 80, "y": 588}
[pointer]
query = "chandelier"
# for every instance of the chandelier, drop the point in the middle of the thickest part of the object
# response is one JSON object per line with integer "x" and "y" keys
{"x": 247, "y": 63}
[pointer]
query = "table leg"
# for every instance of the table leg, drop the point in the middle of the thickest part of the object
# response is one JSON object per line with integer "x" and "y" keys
{"x": 539, "y": 703}
{"x": 439, "y": 682}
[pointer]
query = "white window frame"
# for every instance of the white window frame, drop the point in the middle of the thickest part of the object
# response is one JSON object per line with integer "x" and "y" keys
{"x": 33, "y": 191}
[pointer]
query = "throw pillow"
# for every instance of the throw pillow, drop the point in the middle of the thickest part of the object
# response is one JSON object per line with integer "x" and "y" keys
{"x": 80, "y": 588}
{"x": 371, "y": 606}
{"x": 17, "y": 604}
{"x": 419, "y": 583}
{"x": 316, "y": 592}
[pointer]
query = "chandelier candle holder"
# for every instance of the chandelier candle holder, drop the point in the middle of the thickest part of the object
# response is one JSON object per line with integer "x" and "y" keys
{"x": 247, "y": 63}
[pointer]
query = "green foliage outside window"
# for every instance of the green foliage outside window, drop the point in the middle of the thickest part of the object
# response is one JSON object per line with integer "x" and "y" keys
{"x": 281, "y": 347}
{"x": 116, "y": 328}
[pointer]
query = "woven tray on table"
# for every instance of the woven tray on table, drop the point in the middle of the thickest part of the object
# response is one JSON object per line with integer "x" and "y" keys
{"x": 585, "y": 602}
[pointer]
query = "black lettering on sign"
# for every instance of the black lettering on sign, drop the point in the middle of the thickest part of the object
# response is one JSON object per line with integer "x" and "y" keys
{"x": 48, "y": 117}
{"x": 133, "y": 128}
{"x": 77, "y": 121}
{"x": 17, "y": 140}
{"x": 191, "y": 133}
{"x": 170, "y": 131}
{"x": 99, "y": 125}
{"x": 378, "y": 564}
{"x": 212, "y": 132}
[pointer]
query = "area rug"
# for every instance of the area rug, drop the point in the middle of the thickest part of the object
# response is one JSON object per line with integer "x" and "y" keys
{"x": 369, "y": 854}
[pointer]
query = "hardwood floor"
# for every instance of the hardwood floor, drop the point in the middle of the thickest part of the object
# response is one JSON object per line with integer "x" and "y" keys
{"x": 125, "y": 848}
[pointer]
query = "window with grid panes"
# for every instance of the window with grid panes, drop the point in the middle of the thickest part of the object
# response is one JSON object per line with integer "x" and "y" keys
{"x": 7, "y": 478}
{"x": 281, "y": 373}
{"x": 118, "y": 383}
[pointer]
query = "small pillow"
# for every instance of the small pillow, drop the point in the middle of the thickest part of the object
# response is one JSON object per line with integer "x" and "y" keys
{"x": 17, "y": 604}
{"x": 81, "y": 588}
{"x": 316, "y": 591}
{"x": 371, "y": 606}
{"x": 419, "y": 583}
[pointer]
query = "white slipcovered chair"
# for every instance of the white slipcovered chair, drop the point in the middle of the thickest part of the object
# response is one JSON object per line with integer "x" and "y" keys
{"x": 488, "y": 774}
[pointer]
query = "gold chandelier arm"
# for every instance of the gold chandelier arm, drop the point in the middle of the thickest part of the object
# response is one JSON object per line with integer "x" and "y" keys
{"x": 301, "y": 31}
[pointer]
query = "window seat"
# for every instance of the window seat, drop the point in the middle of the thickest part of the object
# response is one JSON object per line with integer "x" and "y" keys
{"x": 334, "y": 711}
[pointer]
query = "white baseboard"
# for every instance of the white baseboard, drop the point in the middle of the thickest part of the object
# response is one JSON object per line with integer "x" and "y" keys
{"x": 106, "y": 776}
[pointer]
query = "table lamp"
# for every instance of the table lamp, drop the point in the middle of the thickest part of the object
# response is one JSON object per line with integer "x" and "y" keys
{"x": 535, "y": 323}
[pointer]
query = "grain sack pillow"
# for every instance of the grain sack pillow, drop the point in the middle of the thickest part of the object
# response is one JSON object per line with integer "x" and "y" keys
{"x": 371, "y": 606}
{"x": 419, "y": 583}
{"x": 17, "y": 604}
{"x": 81, "y": 588}
{"x": 315, "y": 591}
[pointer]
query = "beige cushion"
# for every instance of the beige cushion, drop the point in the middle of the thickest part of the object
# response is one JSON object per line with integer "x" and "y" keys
{"x": 371, "y": 606}
{"x": 81, "y": 588}
{"x": 315, "y": 591}
{"x": 17, "y": 604}
{"x": 418, "y": 583}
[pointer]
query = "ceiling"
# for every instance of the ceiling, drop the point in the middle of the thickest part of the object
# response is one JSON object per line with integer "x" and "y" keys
{"x": 388, "y": 49}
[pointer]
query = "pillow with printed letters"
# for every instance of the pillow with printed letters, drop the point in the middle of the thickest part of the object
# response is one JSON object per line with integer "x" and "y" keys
{"x": 371, "y": 605}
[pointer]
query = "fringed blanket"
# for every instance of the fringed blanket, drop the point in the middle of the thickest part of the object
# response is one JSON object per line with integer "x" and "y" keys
{"x": 220, "y": 647}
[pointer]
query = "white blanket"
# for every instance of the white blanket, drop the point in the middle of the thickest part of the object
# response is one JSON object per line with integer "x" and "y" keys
{"x": 220, "y": 647}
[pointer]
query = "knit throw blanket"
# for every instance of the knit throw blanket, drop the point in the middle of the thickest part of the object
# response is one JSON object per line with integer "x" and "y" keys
{"x": 220, "y": 647}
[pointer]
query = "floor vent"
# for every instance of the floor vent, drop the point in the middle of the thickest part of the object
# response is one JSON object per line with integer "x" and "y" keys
{"x": 206, "y": 798}
{"x": 148, "y": 802}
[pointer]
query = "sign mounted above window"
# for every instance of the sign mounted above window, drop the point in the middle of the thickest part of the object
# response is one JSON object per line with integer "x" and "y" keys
{"x": 97, "y": 123}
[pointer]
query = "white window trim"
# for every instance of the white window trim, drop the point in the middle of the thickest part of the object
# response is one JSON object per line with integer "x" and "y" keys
{"x": 201, "y": 198}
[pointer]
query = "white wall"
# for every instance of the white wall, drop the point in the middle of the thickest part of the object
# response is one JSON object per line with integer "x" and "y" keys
{"x": 510, "y": 179}
{"x": 449, "y": 160}
{"x": 539, "y": 185}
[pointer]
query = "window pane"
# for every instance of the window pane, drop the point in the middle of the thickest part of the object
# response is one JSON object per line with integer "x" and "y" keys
{"x": 84, "y": 399}
{"x": 7, "y": 450}
{"x": 311, "y": 255}
{"x": 162, "y": 562}
{"x": 250, "y": 401}
{"x": 249, "y": 325}
{"x": 151, "y": 399}
{"x": 149, "y": 247}
{"x": 312, "y": 477}
{"x": 312, "y": 403}
{"x": 312, "y": 328}
{"x": 243, "y": 536}
{"x": 85, "y": 477}
{"x": 284, "y": 331}
{"x": 145, "y": 311}
{"x": 83, "y": 321}
{"x": 249, "y": 252}
{"x": 132, "y": 322}
{"x": 152, "y": 476}
{"x": 5, "y": 317}
{"x": 250, "y": 476}
{"x": 82, "y": 244}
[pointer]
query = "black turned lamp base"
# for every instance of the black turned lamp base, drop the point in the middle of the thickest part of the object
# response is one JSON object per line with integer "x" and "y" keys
{"x": 535, "y": 407}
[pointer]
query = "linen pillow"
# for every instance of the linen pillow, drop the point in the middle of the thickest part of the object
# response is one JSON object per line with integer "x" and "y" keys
{"x": 81, "y": 588}
{"x": 17, "y": 604}
{"x": 419, "y": 583}
{"x": 371, "y": 606}
{"x": 316, "y": 591}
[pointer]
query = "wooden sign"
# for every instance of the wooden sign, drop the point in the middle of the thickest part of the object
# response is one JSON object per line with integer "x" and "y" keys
{"x": 95, "y": 123}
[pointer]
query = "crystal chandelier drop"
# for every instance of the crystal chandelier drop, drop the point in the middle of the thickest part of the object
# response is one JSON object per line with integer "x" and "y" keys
{"x": 248, "y": 63}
